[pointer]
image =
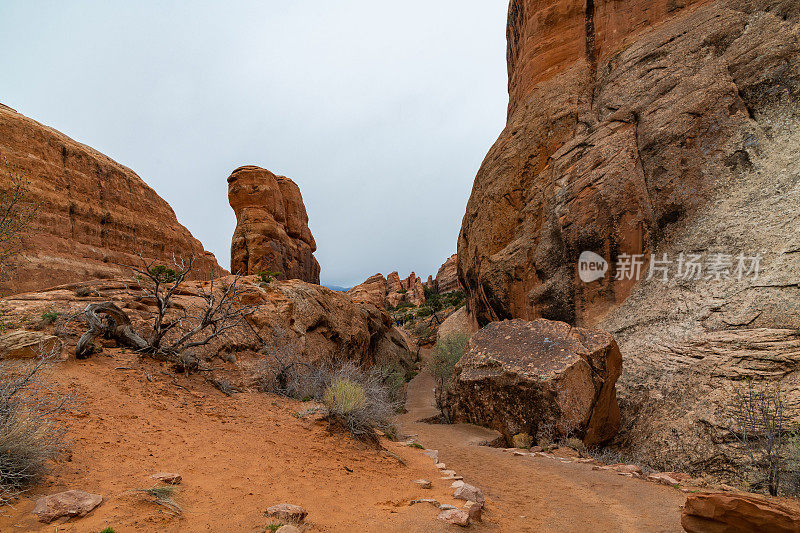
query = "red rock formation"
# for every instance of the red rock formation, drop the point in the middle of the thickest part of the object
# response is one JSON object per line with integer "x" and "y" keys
{"x": 650, "y": 128}
{"x": 320, "y": 324}
{"x": 706, "y": 512}
{"x": 390, "y": 291}
{"x": 447, "y": 276}
{"x": 373, "y": 290}
{"x": 624, "y": 118}
{"x": 538, "y": 378}
{"x": 272, "y": 231}
{"x": 92, "y": 211}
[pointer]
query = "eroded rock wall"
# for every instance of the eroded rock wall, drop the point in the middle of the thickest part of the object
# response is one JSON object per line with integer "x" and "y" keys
{"x": 91, "y": 212}
{"x": 677, "y": 131}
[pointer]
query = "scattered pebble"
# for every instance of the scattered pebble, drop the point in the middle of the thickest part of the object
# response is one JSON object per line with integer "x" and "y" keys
{"x": 288, "y": 512}
{"x": 169, "y": 478}
{"x": 454, "y": 516}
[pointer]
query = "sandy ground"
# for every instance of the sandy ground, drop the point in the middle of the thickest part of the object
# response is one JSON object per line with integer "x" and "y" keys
{"x": 536, "y": 493}
{"x": 237, "y": 457}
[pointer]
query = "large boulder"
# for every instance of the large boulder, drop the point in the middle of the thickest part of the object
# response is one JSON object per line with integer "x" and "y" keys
{"x": 92, "y": 213}
{"x": 272, "y": 232}
{"x": 725, "y": 512}
{"x": 542, "y": 378}
{"x": 625, "y": 120}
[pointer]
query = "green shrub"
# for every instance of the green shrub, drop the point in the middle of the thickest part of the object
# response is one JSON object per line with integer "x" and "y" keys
{"x": 424, "y": 312}
{"x": 522, "y": 441}
{"x": 267, "y": 275}
{"x": 108, "y": 530}
{"x": 163, "y": 274}
{"x": 447, "y": 352}
{"x": 343, "y": 397}
{"x": 49, "y": 317}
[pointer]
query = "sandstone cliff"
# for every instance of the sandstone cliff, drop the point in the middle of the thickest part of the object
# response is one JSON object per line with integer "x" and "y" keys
{"x": 92, "y": 211}
{"x": 272, "y": 231}
{"x": 447, "y": 276}
{"x": 651, "y": 128}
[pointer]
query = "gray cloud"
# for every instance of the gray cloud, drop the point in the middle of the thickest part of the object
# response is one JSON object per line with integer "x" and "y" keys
{"x": 380, "y": 111}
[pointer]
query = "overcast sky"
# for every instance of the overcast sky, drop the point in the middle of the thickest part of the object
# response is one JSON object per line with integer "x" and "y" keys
{"x": 380, "y": 111}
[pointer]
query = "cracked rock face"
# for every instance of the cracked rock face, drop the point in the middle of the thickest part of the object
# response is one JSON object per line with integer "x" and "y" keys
{"x": 272, "y": 231}
{"x": 651, "y": 128}
{"x": 92, "y": 214}
{"x": 622, "y": 123}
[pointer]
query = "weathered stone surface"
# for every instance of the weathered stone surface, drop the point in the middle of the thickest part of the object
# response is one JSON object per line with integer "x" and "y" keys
{"x": 288, "y": 512}
{"x": 272, "y": 231}
{"x": 24, "y": 344}
{"x": 523, "y": 377}
{"x": 469, "y": 493}
{"x": 71, "y": 503}
{"x": 447, "y": 276}
{"x": 170, "y": 478}
{"x": 475, "y": 511}
{"x": 423, "y": 483}
{"x": 92, "y": 211}
{"x": 608, "y": 144}
{"x": 454, "y": 516}
{"x": 457, "y": 323}
{"x": 723, "y": 512}
{"x": 373, "y": 290}
{"x": 650, "y": 128}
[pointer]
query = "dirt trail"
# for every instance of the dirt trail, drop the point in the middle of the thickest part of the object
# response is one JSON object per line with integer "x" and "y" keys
{"x": 537, "y": 493}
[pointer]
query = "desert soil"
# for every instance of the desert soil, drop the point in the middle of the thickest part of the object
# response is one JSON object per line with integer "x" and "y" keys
{"x": 239, "y": 455}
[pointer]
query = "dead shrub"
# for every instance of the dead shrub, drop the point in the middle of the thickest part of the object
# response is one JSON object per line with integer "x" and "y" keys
{"x": 30, "y": 434}
{"x": 762, "y": 430}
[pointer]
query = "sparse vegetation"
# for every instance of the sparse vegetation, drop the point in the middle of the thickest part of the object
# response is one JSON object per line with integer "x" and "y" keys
{"x": 108, "y": 530}
{"x": 267, "y": 276}
{"x": 30, "y": 435}
{"x": 49, "y": 317}
{"x": 177, "y": 330}
{"x": 359, "y": 401}
{"x": 163, "y": 495}
{"x": 447, "y": 352}
{"x": 762, "y": 430}
{"x": 522, "y": 441}
{"x": 416, "y": 445}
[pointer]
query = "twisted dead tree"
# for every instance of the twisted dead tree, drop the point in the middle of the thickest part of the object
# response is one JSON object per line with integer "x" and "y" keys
{"x": 177, "y": 328}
